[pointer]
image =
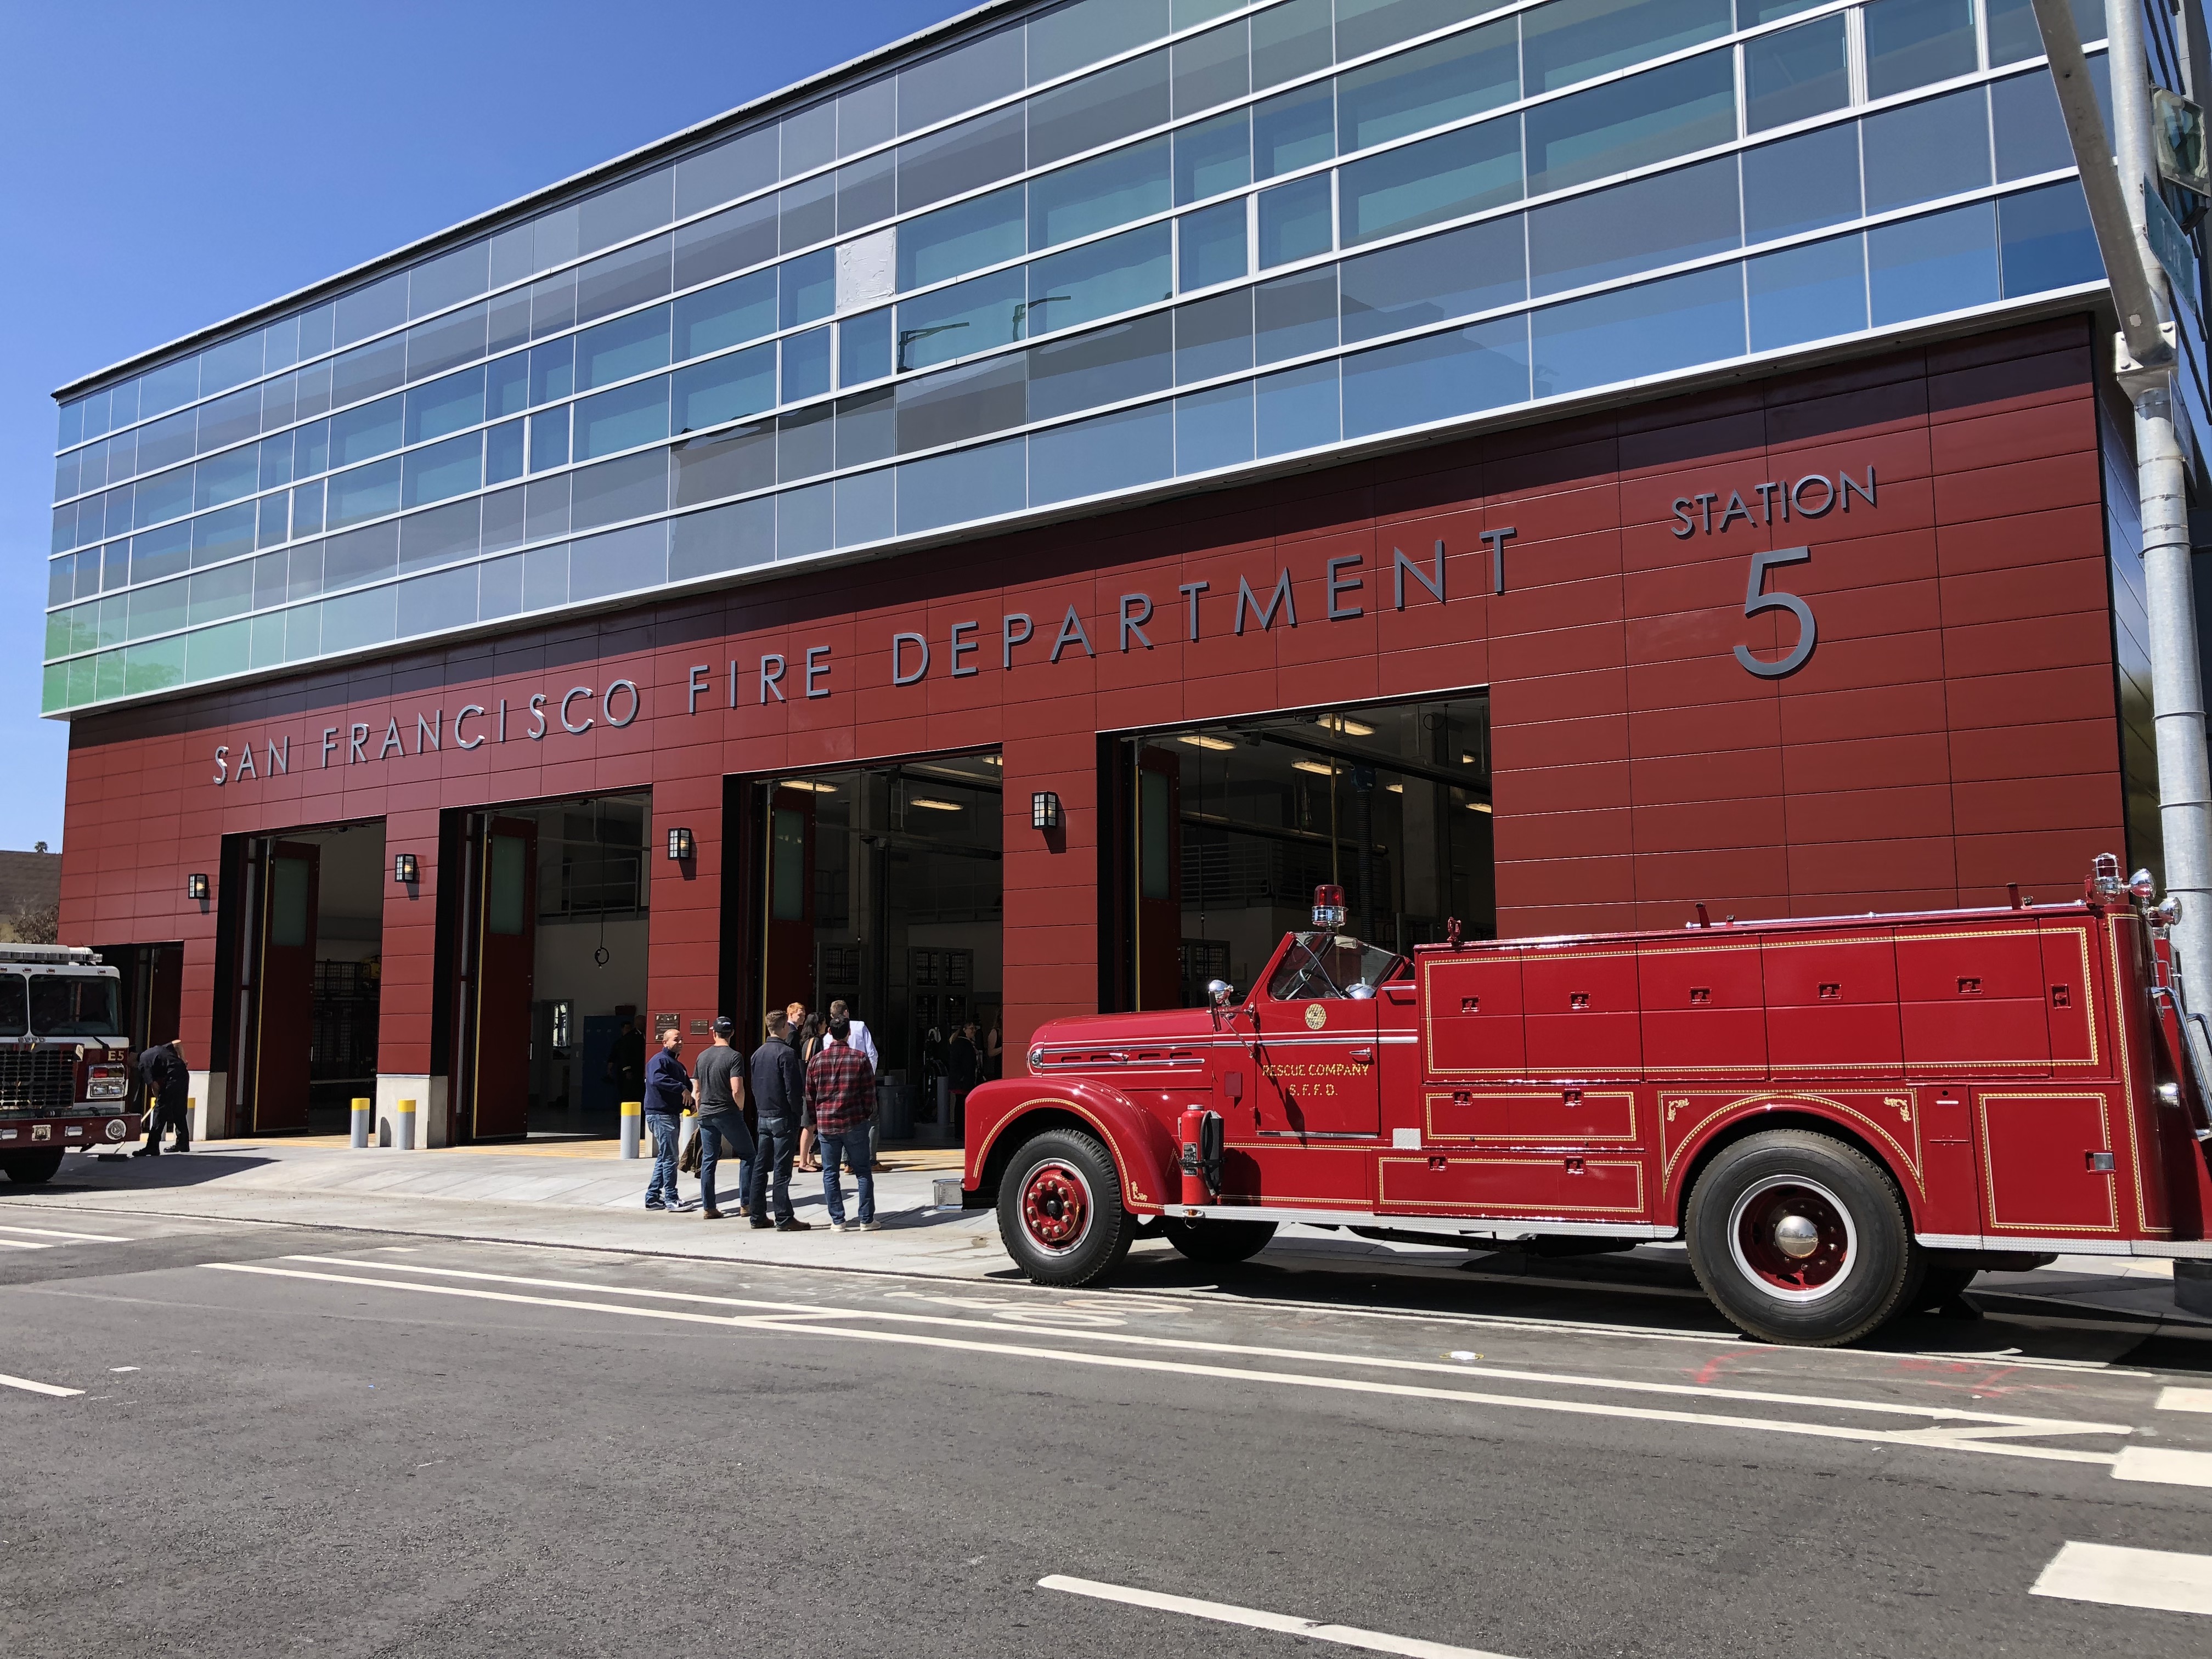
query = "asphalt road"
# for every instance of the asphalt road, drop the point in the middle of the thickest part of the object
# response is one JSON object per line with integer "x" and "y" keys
{"x": 292, "y": 1441}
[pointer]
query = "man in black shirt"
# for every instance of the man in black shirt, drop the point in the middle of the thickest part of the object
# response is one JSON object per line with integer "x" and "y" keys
{"x": 721, "y": 1083}
{"x": 779, "y": 1082}
{"x": 164, "y": 1076}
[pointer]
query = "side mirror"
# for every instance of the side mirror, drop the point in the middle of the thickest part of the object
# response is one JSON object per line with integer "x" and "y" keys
{"x": 1218, "y": 992}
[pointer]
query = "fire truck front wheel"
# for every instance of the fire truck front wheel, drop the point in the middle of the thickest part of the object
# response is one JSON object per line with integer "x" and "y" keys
{"x": 1060, "y": 1210}
{"x": 1799, "y": 1238}
{"x": 29, "y": 1169}
{"x": 1219, "y": 1244}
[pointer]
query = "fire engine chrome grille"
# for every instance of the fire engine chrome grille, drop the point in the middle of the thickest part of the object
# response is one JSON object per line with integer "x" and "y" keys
{"x": 37, "y": 1080}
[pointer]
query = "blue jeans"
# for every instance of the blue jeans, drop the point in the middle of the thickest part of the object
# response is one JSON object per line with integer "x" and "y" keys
{"x": 852, "y": 1146}
{"x": 711, "y": 1132}
{"x": 667, "y": 1134}
{"x": 772, "y": 1151}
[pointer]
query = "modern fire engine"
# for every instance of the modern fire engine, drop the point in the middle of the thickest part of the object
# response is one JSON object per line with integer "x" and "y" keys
{"x": 64, "y": 1061}
{"x": 1843, "y": 1118}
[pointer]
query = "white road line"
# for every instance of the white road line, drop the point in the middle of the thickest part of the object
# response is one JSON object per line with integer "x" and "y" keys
{"x": 2185, "y": 1400}
{"x": 2167, "y": 1468}
{"x": 81, "y": 1238}
{"x": 2157, "y": 1579}
{"x": 29, "y": 1387}
{"x": 22, "y": 1244}
{"x": 1349, "y": 1636}
{"x": 1229, "y": 1373}
{"x": 1988, "y": 1423}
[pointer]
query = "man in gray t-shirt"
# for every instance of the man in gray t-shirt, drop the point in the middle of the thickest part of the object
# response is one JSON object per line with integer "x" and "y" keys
{"x": 719, "y": 1077}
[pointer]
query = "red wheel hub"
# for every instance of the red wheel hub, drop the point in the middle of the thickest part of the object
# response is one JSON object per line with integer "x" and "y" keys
{"x": 1056, "y": 1206}
{"x": 1795, "y": 1237}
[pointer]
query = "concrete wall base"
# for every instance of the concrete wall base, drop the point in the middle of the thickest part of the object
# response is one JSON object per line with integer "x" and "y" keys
{"x": 2192, "y": 1286}
{"x": 210, "y": 1112}
{"x": 428, "y": 1094}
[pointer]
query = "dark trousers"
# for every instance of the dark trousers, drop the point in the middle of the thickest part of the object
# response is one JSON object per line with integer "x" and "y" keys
{"x": 714, "y": 1127}
{"x": 170, "y": 1114}
{"x": 773, "y": 1146}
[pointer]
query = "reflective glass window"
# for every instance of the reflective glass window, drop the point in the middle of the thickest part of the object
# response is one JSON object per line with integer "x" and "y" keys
{"x": 229, "y": 363}
{"x": 272, "y": 583}
{"x": 316, "y": 331}
{"x": 504, "y": 523}
{"x": 1944, "y": 262}
{"x": 867, "y": 507}
{"x": 1294, "y": 130}
{"x": 1209, "y": 245}
{"x": 1213, "y": 336}
{"x": 805, "y": 364}
{"x": 1471, "y": 269}
{"x": 626, "y": 346}
{"x": 970, "y": 484}
{"x": 629, "y": 488}
{"x": 727, "y": 539}
{"x": 359, "y": 619}
{"x": 371, "y": 430}
{"x": 448, "y": 279}
{"x": 223, "y": 478}
{"x": 868, "y": 115}
{"x": 1290, "y": 40}
{"x": 436, "y": 346}
{"x": 1296, "y": 314}
{"x": 743, "y": 235}
{"x": 372, "y": 310}
{"x": 728, "y": 464}
{"x": 1121, "y": 451}
{"x": 2045, "y": 239}
{"x": 627, "y": 210}
{"x": 552, "y": 304}
{"x": 2031, "y": 132}
{"x": 1653, "y": 328}
{"x": 961, "y": 158}
{"x": 1102, "y": 366}
{"x": 162, "y": 389}
{"x": 157, "y": 610}
{"x": 808, "y": 139}
{"x": 368, "y": 370}
{"x": 1795, "y": 74}
{"x": 507, "y": 386}
{"x": 546, "y": 507}
{"x": 727, "y": 314}
{"x": 446, "y": 405}
{"x": 447, "y": 600}
{"x": 1296, "y": 408}
{"x": 279, "y": 402}
{"x": 1099, "y": 279}
{"x": 973, "y": 72}
{"x": 61, "y": 579}
{"x": 1294, "y": 221}
{"x": 164, "y": 496}
{"x": 864, "y": 347}
{"x": 276, "y": 466}
{"x": 1435, "y": 377}
{"x": 1801, "y": 183}
{"x": 622, "y": 419}
{"x": 806, "y": 287}
{"x": 725, "y": 388}
{"x": 620, "y": 562}
{"x": 1100, "y": 194}
{"x": 1099, "y": 108}
{"x": 806, "y": 212}
{"x": 1571, "y": 41}
{"x": 70, "y": 428}
{"x": 1919, "y": 152}
{"x": 868, "y": 427}
{"x": 224, "y": 535}
{"x": 503, "y": 453}
{"x": 214, "y": 651}
{"x": 229, "y": 420}
{"x": 968, "y": 402}
{"x": 161, "y": 443}
{"x": 314, "y": 390}
{"x": 1445, "y": 177}
{"x": 443, "y": 470}
{"x": 273, "y": 519}
{"x": 1647, "y": 118}
{"x": 1213, "y": 156}
{"x": 1444, "y": 80}
{"x": 363, "y": 493}
{"x": 963, "y": 319}
{"x": 805, "y": 443}
{"x": 1065, "y": 41}
{"x": 549, "y": 438}
{"x": 961, "y": 238}
{"x": 1210, "y": 69}
{"x": 219, "y": 593}
{"x": 2014, "y": 34}
{"x": 1807, "y": 293}
{"x": 65, "y": 476}
{"x": 307, "y": 509}
{"x": 552, "y": 371}
{"x": 867, "y": 191}
{"x": 545, "y": 577}
{"x": 1658, "y": 220}
{"x": 627, "y": 278}
{"x": 1910, "y": 43}
{"x": 1365, "y": 25}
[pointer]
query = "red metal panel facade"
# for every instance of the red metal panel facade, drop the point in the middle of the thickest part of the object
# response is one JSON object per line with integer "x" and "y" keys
{"x": 1955, "y": 729}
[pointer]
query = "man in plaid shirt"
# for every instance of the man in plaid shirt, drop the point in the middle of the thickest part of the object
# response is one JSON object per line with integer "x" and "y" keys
{"x": 840, "y": 1090}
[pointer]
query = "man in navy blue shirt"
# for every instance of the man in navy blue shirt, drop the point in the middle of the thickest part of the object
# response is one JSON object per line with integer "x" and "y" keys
{"x": 667, "y": 1092}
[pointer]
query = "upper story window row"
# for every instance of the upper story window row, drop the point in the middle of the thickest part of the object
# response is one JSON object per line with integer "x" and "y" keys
{"x": 1789, "y": 73}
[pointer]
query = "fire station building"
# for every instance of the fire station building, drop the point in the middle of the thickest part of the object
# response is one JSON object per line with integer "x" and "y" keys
{"x": 982, "y": 533}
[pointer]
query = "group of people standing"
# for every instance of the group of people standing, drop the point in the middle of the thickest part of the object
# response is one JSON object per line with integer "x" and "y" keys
{"x": 808, "y": 1090}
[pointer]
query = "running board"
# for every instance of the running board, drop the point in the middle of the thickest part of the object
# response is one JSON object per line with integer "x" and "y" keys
{"x": 2198, "y": 1249}
{"x": 1444, "y": 1226}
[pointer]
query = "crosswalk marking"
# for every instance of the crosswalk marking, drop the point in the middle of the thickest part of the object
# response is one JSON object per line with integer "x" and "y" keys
{"x": 22, "y": 1244}
{"x": 29, "y": 1387}
{"x": 2157, "y": 1579}
{"x": 79, "y": 1238}
{"x": 1349, "y": 1635}
{"x": 2185, "y": 1400}
{"x": 2166, "y": 1466}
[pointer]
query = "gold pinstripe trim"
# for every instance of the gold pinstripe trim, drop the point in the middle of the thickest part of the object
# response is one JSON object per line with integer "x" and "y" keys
{"x": 1989, "y": 1165}
{"x": 1902, "y": 1102}
{"x": 1446, "y": 1206}
{"x": 1431, "y": 1097}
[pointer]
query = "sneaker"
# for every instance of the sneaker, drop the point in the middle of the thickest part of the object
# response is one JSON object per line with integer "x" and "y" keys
{"x": 846, "y": 1227}
{"x": 710, "y": 1215}
{"x": 655, "y": 1203}
{"x": 871, "y": 1226}
{"x": 794, "y": 1224}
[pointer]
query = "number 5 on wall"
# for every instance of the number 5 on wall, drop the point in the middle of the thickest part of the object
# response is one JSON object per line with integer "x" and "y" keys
{"x": 1755, "y": 601}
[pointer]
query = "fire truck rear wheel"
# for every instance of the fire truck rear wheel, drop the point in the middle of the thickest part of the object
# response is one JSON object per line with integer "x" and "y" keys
{"x": 1219, "y": 1244}
{"x": 30, "y": 1169}
{"x": 1800, "y": 1238}
{"x": 1060, "y": 1215}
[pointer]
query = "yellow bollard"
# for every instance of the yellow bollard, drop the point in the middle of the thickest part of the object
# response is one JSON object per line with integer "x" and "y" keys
{"x": 632, "y": 1123}
{"x": 403, "y": 1115}
{"x": 361, "y": 1116}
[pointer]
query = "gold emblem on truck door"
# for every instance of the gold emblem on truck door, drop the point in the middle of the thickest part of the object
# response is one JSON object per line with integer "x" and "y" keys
{"x": 1317, "y": 1017}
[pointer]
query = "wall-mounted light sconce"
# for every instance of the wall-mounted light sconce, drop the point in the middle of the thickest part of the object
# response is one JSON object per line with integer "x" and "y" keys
{"x": 1044, "y": 810}
{"x": 680, "y": 844}
{"x": 195, "y": 887}
{"x": 404, "y": 871}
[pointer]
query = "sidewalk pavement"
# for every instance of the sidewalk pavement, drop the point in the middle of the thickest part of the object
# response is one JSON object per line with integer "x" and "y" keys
{"x": 584, "y": 1195}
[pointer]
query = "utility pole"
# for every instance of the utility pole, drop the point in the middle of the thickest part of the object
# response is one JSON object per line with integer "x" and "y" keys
{"x": 2144, "y": 364}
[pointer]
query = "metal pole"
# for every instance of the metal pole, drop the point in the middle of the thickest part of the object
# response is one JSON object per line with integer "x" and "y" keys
{"x": 632, "y": 1123}
{"x": 361, "y": 1116}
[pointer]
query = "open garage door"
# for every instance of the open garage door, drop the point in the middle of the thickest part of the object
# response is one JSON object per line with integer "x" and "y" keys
{"x": 497, "y": 971}
{"x": 281, "y": 996}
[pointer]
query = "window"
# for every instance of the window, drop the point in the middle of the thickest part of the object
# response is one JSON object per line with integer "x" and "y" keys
{"x": 446, "y": 405}
{"x": 971, "y": 484}
{"x": 1647, "y": 118}
{"x": 1571, "y": 41}
{"x": 623, "y": 418}
{"x": 1213, "y": 336}
{"x": 1099, "y": 109}
{"x": 726, "y": 314}
{"x": 1910, "y": 43}
{"x": 1294, "y": 221}
{"x": 1807, "y": 293}
{"x": 627, "y": 346}
{"x": 1095, "y": 195}
{"x": 1801, "y": 183}
{"x": 1921, "y": 151}
{"x": 1101, "y": 368}
{"x": 2014, "y": 34}
{"x": 962, "y": 402}
{"x": 1296, "y": 408}
{"x": 1121, "y": 451}
{"x": 1210, "y": 69}
{"x": 728, "y": 464}
{"x": 1296, "y": 314}
{"x": 1083, "y": 284}
{"x": 867, "y": 428}
{"x": 1209, "y": 245}
{"x": 2031, "y": 132}
{"x": 1652, "y": 329}
{"x": 71, "y": 1007}
{"x": 1213, "y": 156}
{"x": 1795, "y": 74}
{"x": 2046, "y": 239}
{"x": 364, "y": 493}
{"x": 1440, "y": 178}
{"x": 864, "y": 347}
{"x": 627, "y": 487}
{"x": 961, "y": 238}
{"x": 1444, "y": 81}
{"x": 731, "y": 240}
{"x": 1658, "y": 220}
{"x": 225, "y": 592}
{"x": 435, "y": 347}
{"x": 1923, "y": 267}
{"x": 807, "y": 289}
{"x": 443, "y": 470}
{"x": 724, "y": 389}
{"x": 961, "y": 158}
{"x": 1294, "y": 131}
{"x": 1437, "y": 376}
{"x": 963, "y": 319}
{"x": 1290, "y": 40}
{"x": 1213, "y": 428}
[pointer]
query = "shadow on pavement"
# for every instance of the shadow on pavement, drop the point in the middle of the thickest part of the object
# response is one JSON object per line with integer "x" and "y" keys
{"x": 123, "y": 1174}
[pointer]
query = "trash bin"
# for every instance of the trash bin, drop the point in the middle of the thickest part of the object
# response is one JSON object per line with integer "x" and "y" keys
{"x": 894, "y": 1110}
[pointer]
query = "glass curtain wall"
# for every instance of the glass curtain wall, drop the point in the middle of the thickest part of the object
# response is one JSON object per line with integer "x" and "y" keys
{"x": 1235, "y": 825}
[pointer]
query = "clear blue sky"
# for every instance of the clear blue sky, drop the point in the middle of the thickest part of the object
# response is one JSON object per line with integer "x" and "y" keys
{"x": 169, "y": 164}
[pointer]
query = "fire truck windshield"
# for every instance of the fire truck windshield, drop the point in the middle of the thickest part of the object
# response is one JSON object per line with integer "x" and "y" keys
{"x": 1331, "y": 965}
{"x": 64, "y": 1005}
{"x": 14, "y": 1021}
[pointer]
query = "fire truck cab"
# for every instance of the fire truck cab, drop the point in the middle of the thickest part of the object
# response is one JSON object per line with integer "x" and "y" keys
{"x": 65, "y": 1059}
{"x": 1842, "y": 1118}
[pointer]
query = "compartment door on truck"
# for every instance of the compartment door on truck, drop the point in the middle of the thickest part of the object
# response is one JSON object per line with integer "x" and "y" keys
{"x": 1315, "y": 1059}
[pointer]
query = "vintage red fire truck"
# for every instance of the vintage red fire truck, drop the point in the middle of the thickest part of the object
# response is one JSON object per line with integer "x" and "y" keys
{"x": 64, "y": 1059}
{"x": 1843, "y": 1118}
